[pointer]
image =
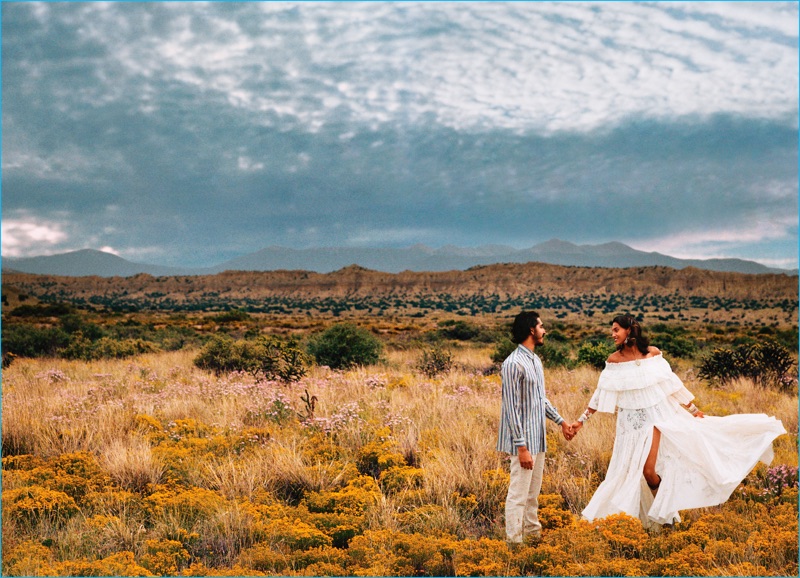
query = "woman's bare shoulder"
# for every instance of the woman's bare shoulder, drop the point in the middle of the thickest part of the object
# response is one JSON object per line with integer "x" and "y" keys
{"x": 653, "y": 351}
{"x": 615, "y": 357}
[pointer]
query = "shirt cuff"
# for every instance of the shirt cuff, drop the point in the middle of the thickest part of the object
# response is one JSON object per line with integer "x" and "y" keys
{"x": 519, "y": 442}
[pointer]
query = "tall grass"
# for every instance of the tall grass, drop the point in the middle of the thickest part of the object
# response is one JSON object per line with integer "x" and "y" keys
{"x": 167, "y": 436}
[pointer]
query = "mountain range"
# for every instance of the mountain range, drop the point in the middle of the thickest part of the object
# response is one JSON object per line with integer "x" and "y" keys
{"x": 89, "y": 262}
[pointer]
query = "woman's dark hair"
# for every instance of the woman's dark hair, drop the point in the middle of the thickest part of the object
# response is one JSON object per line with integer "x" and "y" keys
{"x": 635, "y": 338}
{"x": 523, "y": 323}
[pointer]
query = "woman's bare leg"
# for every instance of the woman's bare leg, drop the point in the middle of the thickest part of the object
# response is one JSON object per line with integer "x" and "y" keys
{"x": 649, "y": 471}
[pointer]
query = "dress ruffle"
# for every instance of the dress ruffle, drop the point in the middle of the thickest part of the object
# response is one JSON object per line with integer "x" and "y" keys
{"x": 638, "y": 384}
{"x": 701, "y": 461}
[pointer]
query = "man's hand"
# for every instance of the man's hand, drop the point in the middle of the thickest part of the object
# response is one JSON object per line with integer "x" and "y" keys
{"x": 525, "y": 458}
{"x": 567, "y": 430}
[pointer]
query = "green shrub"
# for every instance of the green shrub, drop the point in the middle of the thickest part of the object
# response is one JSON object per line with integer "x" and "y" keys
{"x": 74, "y": 323}
{"x": 767, "y": 363}
{"x": 503, "y": 348}
{"x": 555, "y": 354}
{"x": 30, "y": 341}
{"x": 219, "y": 355}
{"x": 435, "y": 360}
{"x": 594, "y": 353}
{"x": 461, "y": 331}
{"x": 266, "y": 357}
{"x": 51, "y": 310}
{"x": 344, "y": 345}
{"x": 673, "y": 340}
{"x": 80, "y": 347}
{"x": 232, "y": 316}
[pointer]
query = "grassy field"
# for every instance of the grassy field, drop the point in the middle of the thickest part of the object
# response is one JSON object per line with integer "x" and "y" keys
{"x": 148, "y": 465}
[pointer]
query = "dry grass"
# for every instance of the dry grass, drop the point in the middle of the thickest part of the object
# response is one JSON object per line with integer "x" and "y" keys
{"x": 202, "y": 434}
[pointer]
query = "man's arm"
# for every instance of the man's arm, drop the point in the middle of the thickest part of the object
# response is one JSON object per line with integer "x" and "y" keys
{"x": 552, "y": 413}
{"x": 512, "y": 376}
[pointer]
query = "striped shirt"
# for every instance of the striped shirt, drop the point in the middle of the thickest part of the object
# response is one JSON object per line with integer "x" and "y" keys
{"x": 524, "y": 405}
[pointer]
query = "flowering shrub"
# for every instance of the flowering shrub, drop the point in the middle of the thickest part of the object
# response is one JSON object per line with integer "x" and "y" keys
{"x": 285, "y": 535}
{"x": 119, "y": 564}
{"x": 28, "y": 558}
{"x": 379, "y": 454}
{"x": 401, "y": 478}
{"x": 186, "y": 505}
{"x": 624, "y": 534}
{"x": 355, "y": 498}
{"x": 780, "y": 478}
{"x": 276, "y": 407}
{"x": 482, "y": 557}
{"x": 346, "y": 415}
{"x": 387, "y": 553}
{"x": 33, "y": 504}
{"x": 540, "y": 560}
{"x": 164, "y": 557}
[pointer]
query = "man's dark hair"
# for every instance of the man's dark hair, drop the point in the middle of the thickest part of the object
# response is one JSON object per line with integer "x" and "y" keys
{"x": 523, "y": 323}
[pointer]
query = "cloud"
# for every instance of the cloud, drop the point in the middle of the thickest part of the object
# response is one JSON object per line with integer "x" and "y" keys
{"x": 196, "y": 132}
{"x": 23, "y": 234}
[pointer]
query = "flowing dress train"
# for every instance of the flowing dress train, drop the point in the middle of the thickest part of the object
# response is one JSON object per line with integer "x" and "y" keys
{"x": 700, "y": 461}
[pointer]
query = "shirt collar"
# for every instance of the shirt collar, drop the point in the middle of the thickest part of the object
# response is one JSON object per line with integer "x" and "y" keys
{"x": 527, "y": 351}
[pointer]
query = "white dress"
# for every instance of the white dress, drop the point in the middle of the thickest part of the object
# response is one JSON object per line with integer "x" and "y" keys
{"x": 700, "y": 461}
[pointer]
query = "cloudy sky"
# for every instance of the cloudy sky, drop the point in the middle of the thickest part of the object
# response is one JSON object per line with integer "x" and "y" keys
{"x": 190, "y": 133}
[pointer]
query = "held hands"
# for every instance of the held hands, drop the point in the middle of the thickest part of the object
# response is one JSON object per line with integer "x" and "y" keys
{"x": 568, "y": 430}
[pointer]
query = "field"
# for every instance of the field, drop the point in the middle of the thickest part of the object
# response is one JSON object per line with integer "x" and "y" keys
{"x": 149, "y": 465}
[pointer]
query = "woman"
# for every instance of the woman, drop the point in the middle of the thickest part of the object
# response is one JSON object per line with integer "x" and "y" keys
{"x": 666, "y": 458}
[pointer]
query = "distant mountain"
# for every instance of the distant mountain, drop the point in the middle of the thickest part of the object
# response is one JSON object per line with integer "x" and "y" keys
{"x": 88, "y": 262}
{"x": 422, "y": 258}
{"x": 414, "y": 258}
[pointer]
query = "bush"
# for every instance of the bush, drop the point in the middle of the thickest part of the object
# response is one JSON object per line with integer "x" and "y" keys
{"x": 52, "y": 310}
{"x": 267, "y": 357}
{"x": 767, "y": 363}
{"x": 435, "y": 361}
{"x": 30, "y": 341}
{"x": 32, "y": 504}
{"x": 672, "y": 340}
{"x": 594, "y": 353}
{"x": 105, "y": 348}
{"x": 344, "y": 345}
{"x": 233, "y": 316}
{"x": 555, "y": 355}
{"x": 503, "y": 348}
{"x": 460, "y": 330}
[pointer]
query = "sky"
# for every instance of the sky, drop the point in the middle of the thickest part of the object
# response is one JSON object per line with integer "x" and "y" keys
{"x": 186, "y": 134}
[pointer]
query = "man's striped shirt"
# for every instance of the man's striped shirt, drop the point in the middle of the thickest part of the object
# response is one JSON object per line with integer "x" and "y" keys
{"x": 524, "y": 404}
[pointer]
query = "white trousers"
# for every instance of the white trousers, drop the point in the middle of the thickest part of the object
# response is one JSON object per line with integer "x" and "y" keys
{"x": 522, "y": 501}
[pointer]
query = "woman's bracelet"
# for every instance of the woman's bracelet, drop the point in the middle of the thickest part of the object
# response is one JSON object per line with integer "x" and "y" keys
{"x": 585, "y": 416}
{"x": 692, "y": 408}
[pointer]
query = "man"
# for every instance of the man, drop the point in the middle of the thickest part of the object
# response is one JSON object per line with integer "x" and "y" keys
{"x": 522, "y": 427}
